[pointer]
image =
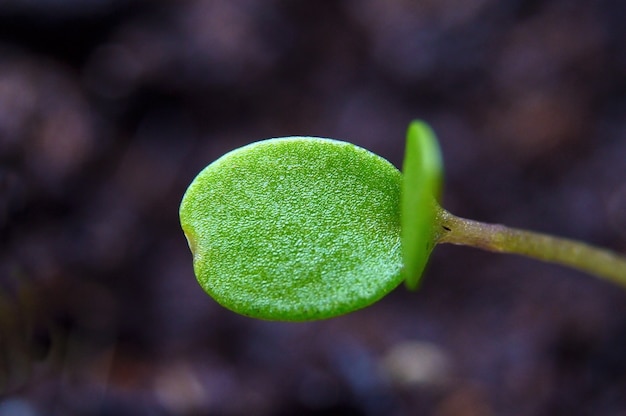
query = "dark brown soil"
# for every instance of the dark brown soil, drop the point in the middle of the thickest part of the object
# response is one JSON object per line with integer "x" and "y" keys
{"x": 108, "y": 109}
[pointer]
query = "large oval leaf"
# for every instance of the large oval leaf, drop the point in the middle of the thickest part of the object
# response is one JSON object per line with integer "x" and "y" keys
{"x": 296, "y": 228}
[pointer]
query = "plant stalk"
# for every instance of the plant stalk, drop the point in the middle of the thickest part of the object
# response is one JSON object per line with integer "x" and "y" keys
{"x": 499, "y": 238}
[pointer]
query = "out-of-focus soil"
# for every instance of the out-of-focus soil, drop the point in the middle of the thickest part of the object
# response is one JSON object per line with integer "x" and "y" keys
{"x": 108, "y": 109}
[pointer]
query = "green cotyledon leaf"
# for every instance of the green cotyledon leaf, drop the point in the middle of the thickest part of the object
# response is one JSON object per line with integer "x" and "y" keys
{"x": 421, "y": 188}
{"x": 295, "y": 228}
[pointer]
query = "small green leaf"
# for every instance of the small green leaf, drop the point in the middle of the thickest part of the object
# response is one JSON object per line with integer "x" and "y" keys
{"x": 295, "y": 228}
{"x": 421, "y": 188}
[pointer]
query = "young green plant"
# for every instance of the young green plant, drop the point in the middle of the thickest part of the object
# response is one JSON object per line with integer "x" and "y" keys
{"x": 305, "y": 228}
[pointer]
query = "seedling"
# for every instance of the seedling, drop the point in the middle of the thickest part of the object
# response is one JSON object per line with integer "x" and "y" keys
{"x": 305, "y": 228}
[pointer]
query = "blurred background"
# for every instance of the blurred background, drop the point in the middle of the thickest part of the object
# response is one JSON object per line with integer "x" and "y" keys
{"x": 109, "y": 108}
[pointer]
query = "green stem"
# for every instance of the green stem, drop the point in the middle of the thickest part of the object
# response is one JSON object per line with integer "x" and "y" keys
{"x": 498, "y": 238}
